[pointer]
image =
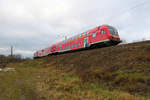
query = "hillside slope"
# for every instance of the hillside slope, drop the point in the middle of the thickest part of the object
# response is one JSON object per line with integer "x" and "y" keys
{"x": 124, "y": 67}
{"x": 112, "y": 73}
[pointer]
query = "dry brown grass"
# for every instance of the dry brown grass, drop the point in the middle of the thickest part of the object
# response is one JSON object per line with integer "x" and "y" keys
{"x": 124, "y": 67}
{"x": 111, "y": 73}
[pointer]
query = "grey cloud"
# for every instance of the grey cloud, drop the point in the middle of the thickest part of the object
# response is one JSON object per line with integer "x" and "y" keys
{"x": 30, "y": 25}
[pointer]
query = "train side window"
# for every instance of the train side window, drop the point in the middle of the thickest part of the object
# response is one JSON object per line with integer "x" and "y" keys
{"x": 75, "y": 45}
{"x": 83, "y": 34}
{"x": 103, "y": 32}
{"x": 80, "y": 35}
{"x": 72, "y": 46}
{"x": 79, "y": 44}
{"x": 87, "y": 33}
{"x": 94, "y": 35}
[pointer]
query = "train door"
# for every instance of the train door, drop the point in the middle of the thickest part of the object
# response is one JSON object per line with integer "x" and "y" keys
{"x": 103, "y": 34}
{"x": 86, "y": 43}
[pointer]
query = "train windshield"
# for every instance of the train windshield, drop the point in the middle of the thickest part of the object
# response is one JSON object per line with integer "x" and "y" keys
{"x": 113, "y": 31}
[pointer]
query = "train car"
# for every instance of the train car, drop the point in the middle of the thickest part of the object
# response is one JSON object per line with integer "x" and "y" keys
{"x": 104, "y": 34}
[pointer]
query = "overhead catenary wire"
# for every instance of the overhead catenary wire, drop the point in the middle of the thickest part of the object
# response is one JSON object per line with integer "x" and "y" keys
{"x": 114, "y": 17}
{"x": 122, "y": 12}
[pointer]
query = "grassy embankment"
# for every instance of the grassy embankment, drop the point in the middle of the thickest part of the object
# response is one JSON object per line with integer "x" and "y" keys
{"x": 112, "y": 73}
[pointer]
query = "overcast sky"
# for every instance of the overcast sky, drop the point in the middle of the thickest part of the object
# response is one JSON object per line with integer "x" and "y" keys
{"x": 30, "y": 25}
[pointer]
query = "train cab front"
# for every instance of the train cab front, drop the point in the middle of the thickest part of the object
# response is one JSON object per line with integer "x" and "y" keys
{"x": 114, "y": 36}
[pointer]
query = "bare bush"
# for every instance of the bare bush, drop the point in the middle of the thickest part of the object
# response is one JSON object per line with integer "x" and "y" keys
{"x": 4, "y": 60}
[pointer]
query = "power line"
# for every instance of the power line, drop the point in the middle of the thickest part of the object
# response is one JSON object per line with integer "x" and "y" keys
{"x": 138, "y": 5}
{"x": 129, "y": 9}
{"x": 122, "y": 12}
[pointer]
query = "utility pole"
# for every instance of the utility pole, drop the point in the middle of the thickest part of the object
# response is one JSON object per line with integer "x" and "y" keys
{"x": 65, "y": 37}
{"x": 11, "y": 51}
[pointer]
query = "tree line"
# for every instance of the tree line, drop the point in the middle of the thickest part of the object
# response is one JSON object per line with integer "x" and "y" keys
{"x": 4, "y": 60}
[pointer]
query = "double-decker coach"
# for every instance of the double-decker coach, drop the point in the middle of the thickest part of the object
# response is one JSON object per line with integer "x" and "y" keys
{"x": 104, "y": 34}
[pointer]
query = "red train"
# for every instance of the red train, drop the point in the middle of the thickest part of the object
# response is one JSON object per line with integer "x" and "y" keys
{"x": 105, "y": 34}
